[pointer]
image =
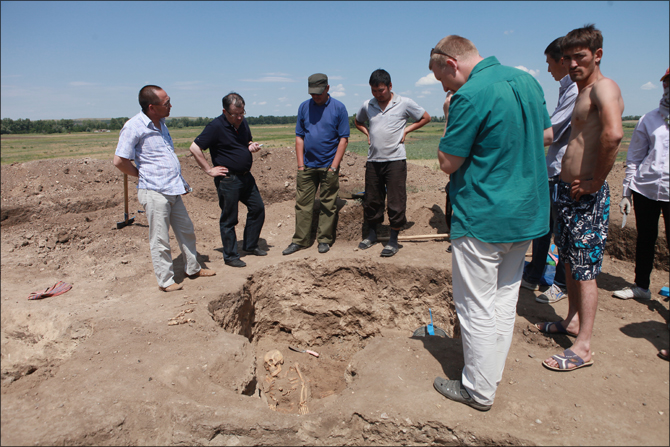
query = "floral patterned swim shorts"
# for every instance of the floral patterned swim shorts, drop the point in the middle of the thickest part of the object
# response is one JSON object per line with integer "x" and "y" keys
{"x": 582, "y": 230}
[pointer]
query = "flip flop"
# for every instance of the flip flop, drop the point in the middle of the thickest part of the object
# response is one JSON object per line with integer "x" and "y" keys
{"x": 565, "y": 361}
{"x": 389, "y": 251}
{"x": 546, "y": 329}
{"x": 366, "y": 243}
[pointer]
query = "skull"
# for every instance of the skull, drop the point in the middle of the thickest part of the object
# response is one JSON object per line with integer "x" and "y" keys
{"x": 273, "y": 361}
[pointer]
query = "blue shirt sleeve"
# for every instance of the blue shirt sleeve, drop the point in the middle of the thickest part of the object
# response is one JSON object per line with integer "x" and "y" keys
{"x": 343, "y": 130}
{"x": 300, "y": 122}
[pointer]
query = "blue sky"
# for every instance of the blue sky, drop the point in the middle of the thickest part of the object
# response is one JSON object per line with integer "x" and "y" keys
{"x": 89, "y": 59}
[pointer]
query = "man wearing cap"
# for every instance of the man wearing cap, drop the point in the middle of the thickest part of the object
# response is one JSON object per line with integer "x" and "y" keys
{"x": 230, "y": 141}
{"x": 647, "y": 183}
{"x": 145, "y": 138}
{"x": 322, "y": 135}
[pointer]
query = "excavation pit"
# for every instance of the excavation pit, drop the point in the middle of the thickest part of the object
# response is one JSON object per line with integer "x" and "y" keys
{"x": 334, "y": 309}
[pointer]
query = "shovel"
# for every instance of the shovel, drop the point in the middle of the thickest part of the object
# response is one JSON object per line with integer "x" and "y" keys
{"x": 126, "y": 221}
{"x": 429, "y": 328}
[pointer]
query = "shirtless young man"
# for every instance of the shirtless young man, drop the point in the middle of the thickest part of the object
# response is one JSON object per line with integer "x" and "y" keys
{"x": 582, "y": 195}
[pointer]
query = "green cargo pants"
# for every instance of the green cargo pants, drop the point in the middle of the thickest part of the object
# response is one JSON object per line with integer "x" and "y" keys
{"x": 307, "y": 182}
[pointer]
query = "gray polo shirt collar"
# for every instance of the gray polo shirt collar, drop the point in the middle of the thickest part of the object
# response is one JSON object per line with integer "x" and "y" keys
{"x": 392, "y": 103}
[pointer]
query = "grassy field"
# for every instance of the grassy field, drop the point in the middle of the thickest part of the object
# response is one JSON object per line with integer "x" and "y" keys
{"x": 421, "y": 144}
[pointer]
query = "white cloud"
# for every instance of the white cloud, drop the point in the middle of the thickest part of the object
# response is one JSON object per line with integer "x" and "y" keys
{"x": 533, "y": 73}
{"x": 509, "y": 32}
{"x": 337, "y": 91}
{"x": 426, "y": 92}
{"x": 186, "y": 85}
{"x": 282, "y": 99}
{"x": 648, "y": 86}
{"x": 82, "y": 84}
{"x": 335, "y": 78}
{"x": 270, "y": 79}
{"x": 262, "y": 103}
{"x": 427, "y": 80}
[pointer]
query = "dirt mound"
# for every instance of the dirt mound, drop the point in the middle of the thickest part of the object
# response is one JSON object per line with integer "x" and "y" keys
{"x": 107, "y": 363}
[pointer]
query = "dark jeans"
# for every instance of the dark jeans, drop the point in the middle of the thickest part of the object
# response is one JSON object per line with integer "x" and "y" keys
{"x": 382, "y": 178}
{"x": 233, "y": 189}
{"x": 647, "y": 212}
{"x": 534, "y": 271}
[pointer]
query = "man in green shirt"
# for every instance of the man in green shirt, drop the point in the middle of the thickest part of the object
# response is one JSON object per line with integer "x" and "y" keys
{"x": 493, "y": 149}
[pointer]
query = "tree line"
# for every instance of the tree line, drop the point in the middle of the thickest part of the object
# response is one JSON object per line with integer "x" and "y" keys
{"x": 25, "y": 126}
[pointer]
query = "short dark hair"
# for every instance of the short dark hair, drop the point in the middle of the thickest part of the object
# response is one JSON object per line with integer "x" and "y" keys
{"x": 588, "y": 37}
{"x": 233, "y": 99}
{"x": 553, "y": 50}
{"x": 380, "y": 76}
{"x": 148, "y": 96}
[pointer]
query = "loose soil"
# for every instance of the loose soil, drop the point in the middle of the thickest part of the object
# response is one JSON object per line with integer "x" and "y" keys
{"x": 114, "y": 361}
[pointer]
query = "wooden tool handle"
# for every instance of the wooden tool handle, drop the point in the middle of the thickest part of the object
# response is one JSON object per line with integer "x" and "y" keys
{"x": 125, "y": 196}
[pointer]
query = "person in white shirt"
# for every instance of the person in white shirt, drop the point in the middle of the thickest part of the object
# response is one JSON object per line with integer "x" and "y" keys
{"x": 146, "y": 140}
{"x": 386, "y": 169}
{"x": 646, "y": 182}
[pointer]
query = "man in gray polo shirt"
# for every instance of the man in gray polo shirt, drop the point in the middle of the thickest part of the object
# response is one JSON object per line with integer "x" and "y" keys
{"x": 386, "y": 169}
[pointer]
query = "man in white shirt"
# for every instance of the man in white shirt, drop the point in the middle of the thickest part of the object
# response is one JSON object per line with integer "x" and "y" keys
{"x": 146, "y": 140}
{"x": 647, "y": 182}
{"x": 386, "y": 168}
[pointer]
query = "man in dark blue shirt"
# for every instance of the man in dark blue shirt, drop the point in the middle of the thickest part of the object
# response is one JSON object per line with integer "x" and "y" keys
{"x": 230, "y": 142}
{"x": 321, "y": 137}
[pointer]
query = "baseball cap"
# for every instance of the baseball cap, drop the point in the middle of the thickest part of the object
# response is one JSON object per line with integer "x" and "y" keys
{"x": 665, "y": 76}
{"x": 317, "y": 83}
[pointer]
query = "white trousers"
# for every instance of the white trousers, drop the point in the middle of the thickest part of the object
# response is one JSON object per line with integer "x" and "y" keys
{"x": 164, "y": 211}
{"x": 486, "y": 279}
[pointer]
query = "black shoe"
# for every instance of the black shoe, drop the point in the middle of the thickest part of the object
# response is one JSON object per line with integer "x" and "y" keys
{"x": 236, "y": 263}
{"x": 323, "y": 247}
{"x": 258, "y": 252}
{"x": 292, "y": 248}
{"x": 454, "y": 390}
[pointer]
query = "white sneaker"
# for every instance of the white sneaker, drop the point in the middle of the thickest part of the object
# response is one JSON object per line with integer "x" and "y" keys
{"x": 632, "y": 292}
{"x": 528, "y": 285}
{"x": 552, "y": 295}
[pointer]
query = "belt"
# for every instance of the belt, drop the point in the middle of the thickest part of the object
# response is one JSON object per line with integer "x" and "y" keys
{"x": 237, "y": 173}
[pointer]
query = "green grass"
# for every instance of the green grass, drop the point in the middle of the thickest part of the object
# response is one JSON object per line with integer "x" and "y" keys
{"x": 421, "y": 144}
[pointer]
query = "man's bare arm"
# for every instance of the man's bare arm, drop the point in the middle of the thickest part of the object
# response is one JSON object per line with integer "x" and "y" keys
{"x": 606, "y": 96}
{"x": 363, "y": 129}
{"x": 202, "y": 162}
{"x": 548, "y": 136}
{"x": 425, "y": 119}
{"x": 449, "y": 163}
{"x": 300, "y": 152}
{"x": 445, "y": 107}
{"x": 126, "y": 166}
{"x": 341, "y": 147}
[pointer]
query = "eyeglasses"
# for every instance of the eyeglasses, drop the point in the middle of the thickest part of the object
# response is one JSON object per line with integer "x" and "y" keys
{"x": 436, "y": 51}
{"x": 237, "y": 115}
{"x": 167, "y": 104}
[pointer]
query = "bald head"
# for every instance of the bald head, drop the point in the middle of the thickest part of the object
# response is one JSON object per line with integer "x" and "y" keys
{"x": 453, "y": 46}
